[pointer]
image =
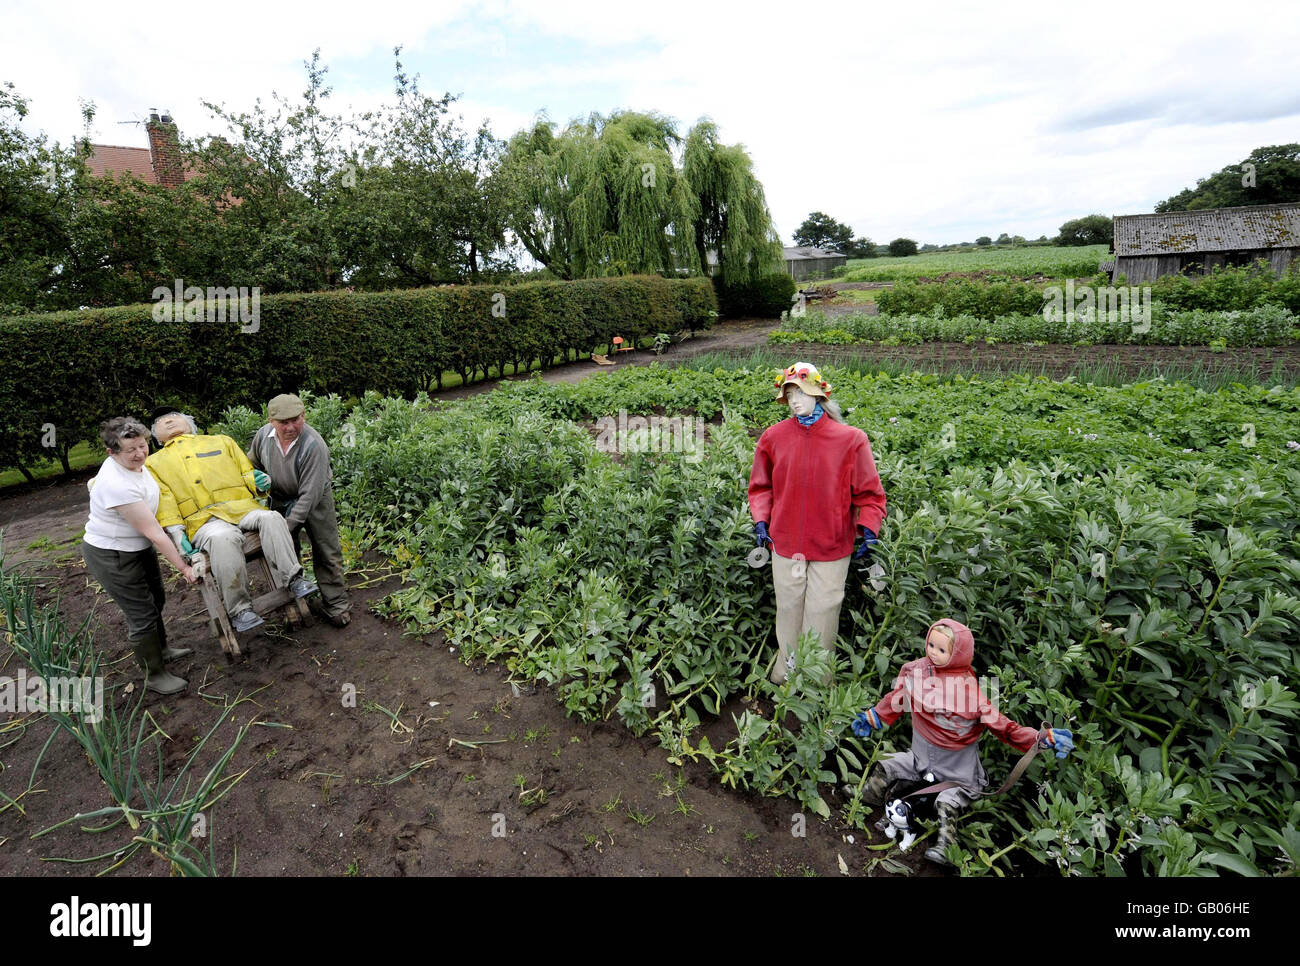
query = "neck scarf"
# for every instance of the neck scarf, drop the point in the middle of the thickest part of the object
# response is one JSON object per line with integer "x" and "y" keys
{"x": 812, "y": 417}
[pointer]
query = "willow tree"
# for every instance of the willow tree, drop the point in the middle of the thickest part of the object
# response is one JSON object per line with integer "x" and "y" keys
{"x": 729, "y": 211}
{"x": 607, "y": 196}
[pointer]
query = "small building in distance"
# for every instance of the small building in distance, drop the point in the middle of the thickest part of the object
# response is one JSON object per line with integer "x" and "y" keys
{"x": 808, "y": 262}
{"x": 1194, "y": 242}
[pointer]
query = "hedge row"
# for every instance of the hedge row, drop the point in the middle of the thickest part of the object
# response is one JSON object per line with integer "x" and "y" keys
{"x": 1223, "y": 289}
{"x": 64, "y": 372}
{"x": 764, "y": 298}
{"x": 985, "y": 300}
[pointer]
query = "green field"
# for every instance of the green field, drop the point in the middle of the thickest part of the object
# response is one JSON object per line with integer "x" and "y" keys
{"x": 1055, "y": 262}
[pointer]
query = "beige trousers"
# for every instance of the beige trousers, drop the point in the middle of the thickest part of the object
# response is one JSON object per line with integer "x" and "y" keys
{"x": 808, "y": 597}
{"x": 224, "y": 544}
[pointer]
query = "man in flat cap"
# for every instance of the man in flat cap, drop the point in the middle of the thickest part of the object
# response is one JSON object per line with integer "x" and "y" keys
{"x": 208, "y": 501}
{"x": 297, "y": 459}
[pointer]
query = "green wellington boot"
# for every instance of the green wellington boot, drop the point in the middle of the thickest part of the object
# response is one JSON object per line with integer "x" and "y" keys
{"x": 148, "y": 651}
{"x": 170, "y": 653}
{"x": 935, "y": 853}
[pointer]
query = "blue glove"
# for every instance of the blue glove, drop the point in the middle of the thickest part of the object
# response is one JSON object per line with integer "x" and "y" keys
{"x": 1060, "y": 739}
{"x": 262, "y": 480}
{"x": 761, "y": 536}
{"x": 187, "y": 548}
{"x": 863, "y": 550}
{"x": 867, "y": 722}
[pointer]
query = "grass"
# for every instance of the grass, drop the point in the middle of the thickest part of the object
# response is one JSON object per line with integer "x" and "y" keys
{"x": 79, "y": 457}
{"x": 1049, "y": 260}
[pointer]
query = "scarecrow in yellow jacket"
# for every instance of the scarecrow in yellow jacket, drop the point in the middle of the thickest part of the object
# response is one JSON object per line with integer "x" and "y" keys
{"x": 208, "y": 500}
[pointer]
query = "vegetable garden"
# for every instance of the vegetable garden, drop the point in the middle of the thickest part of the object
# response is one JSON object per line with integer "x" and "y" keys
{"x": 1126, "y": 556}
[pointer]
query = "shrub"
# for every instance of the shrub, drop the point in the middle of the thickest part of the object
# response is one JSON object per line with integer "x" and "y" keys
{"x": 983, "y": 300}
{"x": 765, "y": 298}
{"x": 71, "y": 370}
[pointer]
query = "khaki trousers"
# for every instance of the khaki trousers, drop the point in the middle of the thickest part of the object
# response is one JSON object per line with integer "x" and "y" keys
{"x": 224, "y": 544}
{"x": 808, "y": 597}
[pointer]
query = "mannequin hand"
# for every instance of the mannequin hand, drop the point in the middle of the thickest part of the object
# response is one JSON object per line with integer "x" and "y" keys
{"x": 181, "y": 539}
{"x": 867, "y": 722}
{"x": 262, "y": 480}
{"x": 1060, "y": 739}
{"x": 863, "y": 549}
{"x": 761, "y": 536}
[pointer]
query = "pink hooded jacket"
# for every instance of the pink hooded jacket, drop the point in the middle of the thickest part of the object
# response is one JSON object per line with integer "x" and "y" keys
{"x": 948, "y": 708}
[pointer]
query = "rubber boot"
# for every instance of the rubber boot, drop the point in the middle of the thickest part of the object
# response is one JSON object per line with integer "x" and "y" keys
{"x": 935, "y": 853}
{"x": 148, "y": 651}
{"x": 873, "y": 792}
{"x": 170, "y": 653}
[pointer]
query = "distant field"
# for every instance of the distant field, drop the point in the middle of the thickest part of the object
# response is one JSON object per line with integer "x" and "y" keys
{"x": 1077, "y": 262}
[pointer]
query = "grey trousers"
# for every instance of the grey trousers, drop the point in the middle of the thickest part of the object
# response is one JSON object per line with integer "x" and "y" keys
{"x": 905, "y": 766}
{"x": 134, "y": 582}
{"x": 224, "y": 544}
{"x": 322, "y": 526}
{"x": 808, "y": 597}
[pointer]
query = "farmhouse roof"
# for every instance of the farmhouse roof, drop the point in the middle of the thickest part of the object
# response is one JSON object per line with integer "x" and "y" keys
{"x": 1208, "y": 230}
{"x": 808, "y": 251}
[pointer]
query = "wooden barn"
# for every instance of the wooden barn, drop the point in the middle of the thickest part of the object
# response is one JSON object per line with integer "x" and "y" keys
{"x": 809, "y": 262}
{"x": 1193, "y": 242}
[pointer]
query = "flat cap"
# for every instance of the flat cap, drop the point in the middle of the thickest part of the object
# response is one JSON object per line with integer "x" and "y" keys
{"x": 285, "y": 406}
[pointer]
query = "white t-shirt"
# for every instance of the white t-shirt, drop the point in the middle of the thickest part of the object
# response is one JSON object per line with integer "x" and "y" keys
{"x": 114, "y": 486}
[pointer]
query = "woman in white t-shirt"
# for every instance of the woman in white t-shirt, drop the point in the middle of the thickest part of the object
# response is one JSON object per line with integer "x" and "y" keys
{"x": 121, "y": 547}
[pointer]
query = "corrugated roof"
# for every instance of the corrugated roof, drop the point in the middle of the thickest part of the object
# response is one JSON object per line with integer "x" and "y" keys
{"x": 1209, "y": 230}
{"x": 807, "y": 251}
{"x": 106, "y": 159}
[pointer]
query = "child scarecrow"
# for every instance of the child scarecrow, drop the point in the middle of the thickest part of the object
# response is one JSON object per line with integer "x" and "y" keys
{"x": 949, "y": 713}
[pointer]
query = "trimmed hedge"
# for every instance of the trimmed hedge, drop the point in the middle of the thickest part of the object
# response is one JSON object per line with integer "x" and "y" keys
{"x": 765, "y": 298}
{"x": 75, "y": 369}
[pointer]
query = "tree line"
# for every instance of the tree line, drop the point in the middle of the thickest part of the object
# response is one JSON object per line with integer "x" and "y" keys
{"x": 297, "y": 197}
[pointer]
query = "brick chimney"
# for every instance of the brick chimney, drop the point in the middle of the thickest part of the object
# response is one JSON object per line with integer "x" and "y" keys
{"x": 165, "y": 150}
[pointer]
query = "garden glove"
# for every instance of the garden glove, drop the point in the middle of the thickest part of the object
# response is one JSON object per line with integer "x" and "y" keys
{"x": 867, "y": 722}
{"x": 1060, "y": 739}
{"x": 761, "y": 536}
{"x": 863, "y": 550}
{"x": 262, "y": 480}
{"x": 181, "y": 539}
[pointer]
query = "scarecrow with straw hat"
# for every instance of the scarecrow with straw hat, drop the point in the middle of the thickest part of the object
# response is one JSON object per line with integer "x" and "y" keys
{"x": 813, "y": 494}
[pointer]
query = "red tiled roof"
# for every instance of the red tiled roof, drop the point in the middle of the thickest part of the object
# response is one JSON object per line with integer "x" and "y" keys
{"x": 106, "y": 159}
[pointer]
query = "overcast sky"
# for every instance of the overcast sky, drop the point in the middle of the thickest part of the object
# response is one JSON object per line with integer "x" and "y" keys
{"x": 938, "y": 121}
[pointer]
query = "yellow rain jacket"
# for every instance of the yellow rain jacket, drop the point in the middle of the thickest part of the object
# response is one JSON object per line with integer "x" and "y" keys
{"x": 201, "y": 477}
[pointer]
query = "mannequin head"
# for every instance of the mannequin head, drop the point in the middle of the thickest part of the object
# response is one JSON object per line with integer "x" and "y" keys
{"x": 939, "y": 646}
{"x": 800, "y": 403}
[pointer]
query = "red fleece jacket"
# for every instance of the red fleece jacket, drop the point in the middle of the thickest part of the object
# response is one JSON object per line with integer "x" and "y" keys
{"x": 948, "y": 708}
{"x": 813, "y": 486}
